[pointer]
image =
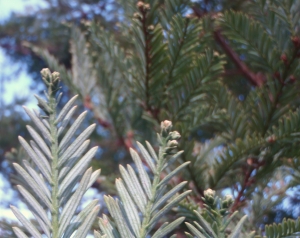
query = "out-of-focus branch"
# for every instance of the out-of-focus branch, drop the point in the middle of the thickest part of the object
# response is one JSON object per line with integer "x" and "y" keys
{"x": 89, "y": 105}
{"x": 253, "y": 78}
{"x": 127, "y": 141}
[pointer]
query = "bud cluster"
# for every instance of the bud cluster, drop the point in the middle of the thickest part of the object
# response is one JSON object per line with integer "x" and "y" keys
{"x": 141, "y": 14}
{"x": 169, "y": 136}
{"x": 227, "y": 201}
{"x": 296, "y": 41}
{"x": 166, "y": 127}
{"x": 143, "y": 6}
{"x": 271, "y": 139}
{"x": 12, "y": 154}
{"x": 137, "y": 15}
{"x": 51, "y": 79}
{"x": 209, "y": 196}
{"x": 151, "y": 28}
{"x": 213, "y": 203}
{"x": 284, "y": 59}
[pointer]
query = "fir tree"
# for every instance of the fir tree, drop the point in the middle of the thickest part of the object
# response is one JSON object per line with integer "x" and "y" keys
{"x": 182, "y": 62}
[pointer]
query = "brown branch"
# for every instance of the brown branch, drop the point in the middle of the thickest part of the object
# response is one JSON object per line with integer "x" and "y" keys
{"x": 239, "y": 199}
{"x": 251, "y": 165}
{"x": 126, "y": 141}
{"x": 89, "y": 105}
{"x": 254, "y": 79}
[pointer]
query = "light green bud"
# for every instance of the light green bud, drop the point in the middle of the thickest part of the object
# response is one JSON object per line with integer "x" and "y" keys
{"x": 209, "y": 193}
{"x": 174, "y": 135}
{"x": 172, "y": 143}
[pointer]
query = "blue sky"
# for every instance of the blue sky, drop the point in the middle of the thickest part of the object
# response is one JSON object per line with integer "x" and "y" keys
{"x": 18, "y": 86}
{"x": 18, "y": 6}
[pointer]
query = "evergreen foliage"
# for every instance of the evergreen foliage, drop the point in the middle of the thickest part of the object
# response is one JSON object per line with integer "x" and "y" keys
{"x": 55, "y": 168}
{"x": 216, "y": 217}
{"x": 140, "y": 194}
{"x": 174, "y": 60}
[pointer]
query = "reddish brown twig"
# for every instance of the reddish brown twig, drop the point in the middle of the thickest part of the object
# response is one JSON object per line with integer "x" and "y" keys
{"x": 252, "y": 165}
{"x": 239, "y": 199}
{"x": 89, "y": 105}
{"x": 254, "y": 79}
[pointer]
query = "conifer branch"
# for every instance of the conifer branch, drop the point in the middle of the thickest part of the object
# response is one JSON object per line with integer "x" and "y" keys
{"x": 144, "y": 9}
{"x": 282, "y": 81}
{"x": 254, "y": 79}
{"x": 147, "y": 53}
{"x": 170, "y": 62}
{"x": 56, "y": 169}
{"x": 180, "y": 46}
{"x": 144, "y": 199}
